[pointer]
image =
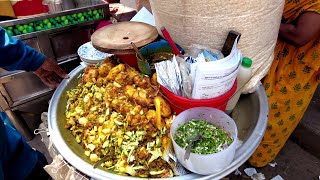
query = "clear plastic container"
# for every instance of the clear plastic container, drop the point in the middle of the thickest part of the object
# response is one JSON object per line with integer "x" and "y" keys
{"x": 245, "y": 73}
{"x": 208, "y": 163}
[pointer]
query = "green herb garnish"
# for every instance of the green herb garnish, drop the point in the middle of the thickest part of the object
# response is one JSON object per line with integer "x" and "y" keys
{"x": 212, "y": 139}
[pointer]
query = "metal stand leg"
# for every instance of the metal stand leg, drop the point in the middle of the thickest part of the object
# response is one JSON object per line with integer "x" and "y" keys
{"x": 20, "y": 125}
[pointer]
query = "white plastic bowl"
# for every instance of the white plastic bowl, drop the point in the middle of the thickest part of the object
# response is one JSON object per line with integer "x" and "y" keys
{"x": 209, "y": 163}
{"x": 90, "y": 55}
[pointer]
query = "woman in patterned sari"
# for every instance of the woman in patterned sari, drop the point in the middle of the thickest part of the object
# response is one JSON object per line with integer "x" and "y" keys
{"x": 293, "y": 76}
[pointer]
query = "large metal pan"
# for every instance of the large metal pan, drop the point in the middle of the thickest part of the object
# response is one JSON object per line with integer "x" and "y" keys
{"x": 250, "y": 115}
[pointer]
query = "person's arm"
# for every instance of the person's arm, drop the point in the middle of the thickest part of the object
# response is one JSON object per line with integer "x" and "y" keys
{"x": 303, "y": 30}
{"x": 50, "y": 73}
{"x": 16, "y": 55}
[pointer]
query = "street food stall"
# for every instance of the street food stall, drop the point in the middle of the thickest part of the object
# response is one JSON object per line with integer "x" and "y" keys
{"x": 109, "y": 121}
{"x": 84, "y": 155}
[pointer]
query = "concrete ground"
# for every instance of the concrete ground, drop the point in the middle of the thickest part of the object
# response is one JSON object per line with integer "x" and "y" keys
{"x": 307, "y": 134}
{"x": 299, "y": 159}
{"x": 292, "y": 163}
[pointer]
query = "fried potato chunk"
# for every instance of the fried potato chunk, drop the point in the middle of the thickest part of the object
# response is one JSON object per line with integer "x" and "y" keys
{"x": 115, "y": 71}
{"x": 164, "y": 106}
{"x": 104, "y": 69}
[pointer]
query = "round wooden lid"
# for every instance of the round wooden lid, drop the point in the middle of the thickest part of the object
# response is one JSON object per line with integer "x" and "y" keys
{"x": 119, "y": 36}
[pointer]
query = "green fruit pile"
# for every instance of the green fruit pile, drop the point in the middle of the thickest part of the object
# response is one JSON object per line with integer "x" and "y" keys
{"x": 54, "y": 22}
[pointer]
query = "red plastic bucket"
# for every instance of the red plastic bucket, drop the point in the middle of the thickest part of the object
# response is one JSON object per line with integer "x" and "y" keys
{"x": 128, "y": 58}
{"x": 179, "y": 104}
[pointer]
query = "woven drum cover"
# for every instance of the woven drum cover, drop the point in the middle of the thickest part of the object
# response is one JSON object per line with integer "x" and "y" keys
{"x": 207, "y": 23}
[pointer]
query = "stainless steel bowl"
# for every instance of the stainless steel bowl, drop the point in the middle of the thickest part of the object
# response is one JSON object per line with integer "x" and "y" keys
{"x": 250, "y": 115}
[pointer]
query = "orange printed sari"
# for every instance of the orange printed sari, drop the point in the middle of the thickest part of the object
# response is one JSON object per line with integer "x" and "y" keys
{"x": 290, "y": 85}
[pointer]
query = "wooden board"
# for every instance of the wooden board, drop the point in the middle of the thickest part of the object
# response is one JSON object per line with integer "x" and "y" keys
{"x": 119, "y": 36}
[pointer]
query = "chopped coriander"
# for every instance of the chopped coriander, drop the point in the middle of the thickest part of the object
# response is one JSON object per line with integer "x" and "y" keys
{"x": 212, "y": 139}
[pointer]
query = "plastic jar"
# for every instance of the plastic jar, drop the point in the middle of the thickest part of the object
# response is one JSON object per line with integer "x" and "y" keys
{"x": 244, "y": 75}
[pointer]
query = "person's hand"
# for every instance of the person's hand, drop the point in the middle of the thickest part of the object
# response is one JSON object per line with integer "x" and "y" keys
{"x": 50, "y": 73}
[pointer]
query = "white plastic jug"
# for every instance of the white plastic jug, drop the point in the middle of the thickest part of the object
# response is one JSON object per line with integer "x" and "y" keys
{"x": 244, "y": 75}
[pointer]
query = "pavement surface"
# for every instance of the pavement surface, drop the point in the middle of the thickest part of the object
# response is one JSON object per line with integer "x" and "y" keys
{"x": 293, "y": 162}
{"x": 307, "y": 133}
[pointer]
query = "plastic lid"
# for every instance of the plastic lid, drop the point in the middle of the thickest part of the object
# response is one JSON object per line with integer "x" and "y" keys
{"x": 246, "y": 62}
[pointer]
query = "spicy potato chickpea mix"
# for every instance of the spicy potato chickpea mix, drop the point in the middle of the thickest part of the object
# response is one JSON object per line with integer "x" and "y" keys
{"x": 113, "y": 107}
{"x": 142, "y": 90}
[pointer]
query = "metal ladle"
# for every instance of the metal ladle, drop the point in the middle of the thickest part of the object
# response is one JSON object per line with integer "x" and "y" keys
{"x": 190, "y": 145}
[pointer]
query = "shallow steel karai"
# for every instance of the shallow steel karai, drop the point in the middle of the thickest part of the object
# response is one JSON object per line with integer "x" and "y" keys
{"x": 250, "y": 115}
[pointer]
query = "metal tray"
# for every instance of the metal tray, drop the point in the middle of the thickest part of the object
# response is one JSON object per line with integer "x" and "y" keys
{"x": 250, "y": 115}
